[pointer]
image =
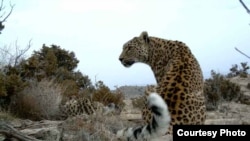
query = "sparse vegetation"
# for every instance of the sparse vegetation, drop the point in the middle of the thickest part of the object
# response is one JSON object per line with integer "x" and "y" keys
{"x": 242, "y": 71}
{"x": 219, "y": 88}
{"x": 139, "y": 102}
{"x": 94, "y": 128}
{"x": 104, "y": 95}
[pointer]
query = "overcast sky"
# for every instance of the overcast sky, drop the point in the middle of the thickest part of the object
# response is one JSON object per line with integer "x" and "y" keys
{"x": 97, "y": 29}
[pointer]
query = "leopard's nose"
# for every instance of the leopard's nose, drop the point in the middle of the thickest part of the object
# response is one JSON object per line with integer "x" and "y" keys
{"x": 121, "y": 59}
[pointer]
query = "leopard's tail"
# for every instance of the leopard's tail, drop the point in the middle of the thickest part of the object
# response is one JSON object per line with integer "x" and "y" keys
{"x": 158, "y": 125}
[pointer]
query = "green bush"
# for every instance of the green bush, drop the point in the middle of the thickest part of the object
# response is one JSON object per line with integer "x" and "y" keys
{"x": 235, "y": 70}
{"x": 104, "y": 95}
{"x": 9, "y": 86}
{"x": 47, "y": 63}
{"x": 219, "y": 88}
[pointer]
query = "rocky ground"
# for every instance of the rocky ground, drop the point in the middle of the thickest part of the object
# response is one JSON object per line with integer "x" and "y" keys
{"x": 102, "y": 128}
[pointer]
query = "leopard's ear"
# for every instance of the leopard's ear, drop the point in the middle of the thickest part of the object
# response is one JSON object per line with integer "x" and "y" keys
{"x": 144, "y": 36}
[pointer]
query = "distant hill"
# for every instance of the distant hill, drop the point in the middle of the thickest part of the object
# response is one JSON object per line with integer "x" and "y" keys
{"x": 132, "y": 91}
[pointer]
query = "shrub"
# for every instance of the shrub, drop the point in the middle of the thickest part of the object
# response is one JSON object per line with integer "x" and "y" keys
{"x": 70, "y": 88}
{"x": 104, "y": 95}
{"x": 3, "y": 91}
{"x": 139, "y": 102}
{"x": 9, "y": 86}
{"x": 218, "y": 88}
{"x": 40, "y": 100}
{"x": 10, "y": 82}
{"x": 239, "y": 71}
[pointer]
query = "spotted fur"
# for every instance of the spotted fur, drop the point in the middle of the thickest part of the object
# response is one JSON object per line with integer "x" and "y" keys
{"x": 178, "y": 75}
{"x": 79, "y": 106}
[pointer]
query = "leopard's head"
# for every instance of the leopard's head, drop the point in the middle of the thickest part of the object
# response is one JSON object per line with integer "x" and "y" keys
{"x": 135, "y": 50}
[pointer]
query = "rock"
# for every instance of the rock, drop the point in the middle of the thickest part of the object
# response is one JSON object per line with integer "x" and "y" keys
{"x": 13, "y": 134}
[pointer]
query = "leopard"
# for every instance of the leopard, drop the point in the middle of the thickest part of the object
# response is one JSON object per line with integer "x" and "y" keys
{"x": 85, "y": 106}
{"x": 178, "y": 75}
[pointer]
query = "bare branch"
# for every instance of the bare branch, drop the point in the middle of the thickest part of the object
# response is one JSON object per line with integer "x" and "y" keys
{"x": 244, "y": 5}
{"x": 13, "y": 55}
{"x": 5, "y": 18}
{"x": 242, "y": 53}
{"x": 2, "y": 15}
{"x": 21, "y": 52}
{"x": 1, "y": 7}
{"x": 11, "y": 9}
{"x": 5, "y": 51}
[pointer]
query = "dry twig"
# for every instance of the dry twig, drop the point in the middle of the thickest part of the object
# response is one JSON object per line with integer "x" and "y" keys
{"x": 242, "y": 53}
{"x": 244, "y": 5}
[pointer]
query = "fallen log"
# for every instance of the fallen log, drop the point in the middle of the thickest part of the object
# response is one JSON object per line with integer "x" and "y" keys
{"x": 11, "y": 132}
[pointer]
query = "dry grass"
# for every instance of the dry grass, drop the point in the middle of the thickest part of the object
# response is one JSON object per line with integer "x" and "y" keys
{"x": 40, "y": 100}
{"x": 139, "y": 102}
{"x": 93, "y": 128}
